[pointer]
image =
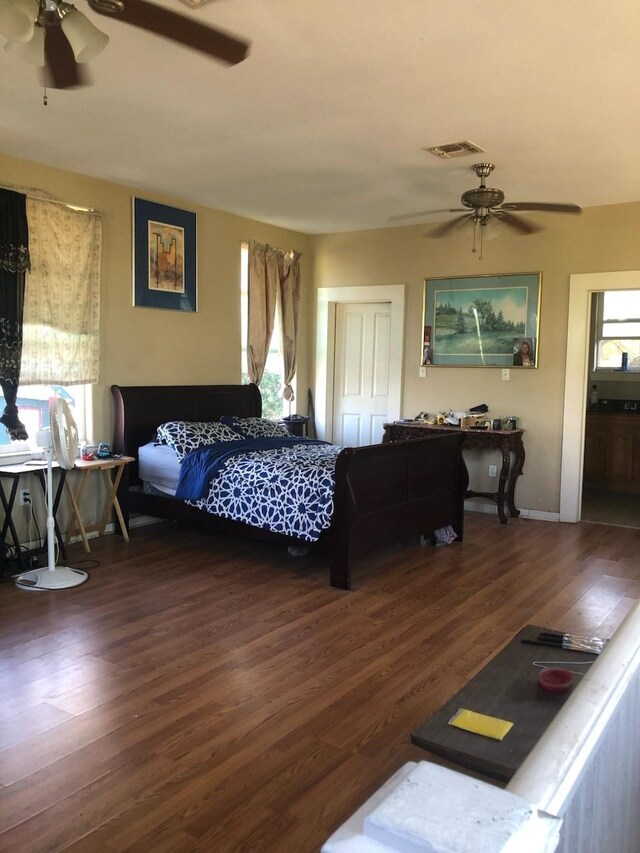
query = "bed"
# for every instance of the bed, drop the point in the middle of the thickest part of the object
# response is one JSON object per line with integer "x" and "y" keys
{"x": 383, "y": 493}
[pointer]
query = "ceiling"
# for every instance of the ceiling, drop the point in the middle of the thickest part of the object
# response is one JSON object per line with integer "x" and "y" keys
{"x": 322, "y": 128}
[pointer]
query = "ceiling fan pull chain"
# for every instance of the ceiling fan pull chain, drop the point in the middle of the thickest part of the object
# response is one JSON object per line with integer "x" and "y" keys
{"x": 481, "y": 258}
{"x": 475, "y": 231}
{"x": 45, "y": 101}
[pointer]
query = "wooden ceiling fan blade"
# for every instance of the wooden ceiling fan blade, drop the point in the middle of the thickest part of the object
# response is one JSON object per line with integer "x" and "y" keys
{"x": 448, "y": 227}
{"x": 61, "y": 70}
{"x": 400, "y": 216}
{"x": 540, "y": 205}
{"x": 516, "y": 223}
{"x": 179, "y": 28}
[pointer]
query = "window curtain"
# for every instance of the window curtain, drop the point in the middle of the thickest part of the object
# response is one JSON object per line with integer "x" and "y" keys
{"x": 265, "y": 265}
{"x": 14, "y": 262}
{"x": 62, "y": 300}
{"x": 290, "y": 302}
{"x": 272, "y": 271}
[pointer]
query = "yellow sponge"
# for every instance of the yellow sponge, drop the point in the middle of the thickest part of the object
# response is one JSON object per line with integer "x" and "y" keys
{"x": 480, "y": 724}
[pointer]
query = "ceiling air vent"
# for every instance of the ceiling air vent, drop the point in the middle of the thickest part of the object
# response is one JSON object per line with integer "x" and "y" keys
{"x": 455, "y": 149}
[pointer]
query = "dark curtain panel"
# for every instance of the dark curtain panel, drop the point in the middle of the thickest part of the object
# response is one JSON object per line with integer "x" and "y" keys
{"x": 14, "y": 262}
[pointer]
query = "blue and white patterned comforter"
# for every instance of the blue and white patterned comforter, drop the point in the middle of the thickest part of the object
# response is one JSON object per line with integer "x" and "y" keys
{"x": 282, "y": 485}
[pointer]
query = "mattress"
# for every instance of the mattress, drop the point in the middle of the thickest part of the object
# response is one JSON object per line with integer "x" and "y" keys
{"x": 158, "y": 467}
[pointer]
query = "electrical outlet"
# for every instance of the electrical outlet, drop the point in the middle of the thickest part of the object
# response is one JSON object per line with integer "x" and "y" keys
{"x": 25, "y": 497}
{"x": 493, "y": 471}
{"x": 506, "y": 374}
{"x": 422, "y": 372}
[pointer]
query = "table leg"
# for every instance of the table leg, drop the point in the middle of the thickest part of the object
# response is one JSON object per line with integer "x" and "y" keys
{"x": 502, "y": 482}
{"x": 112, "y": 500}
{"x": 8, "y": 519}
{"x": 76, "y": 502}
{"x": 516, "y": 470}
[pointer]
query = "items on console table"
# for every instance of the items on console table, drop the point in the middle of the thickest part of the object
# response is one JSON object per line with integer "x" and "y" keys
{"x": 507, "y": 441}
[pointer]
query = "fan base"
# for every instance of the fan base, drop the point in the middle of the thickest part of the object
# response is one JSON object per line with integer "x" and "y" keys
{"x": 59, "y": 577}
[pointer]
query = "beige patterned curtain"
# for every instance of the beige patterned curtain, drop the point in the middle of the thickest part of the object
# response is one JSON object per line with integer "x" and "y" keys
{"x": 62, "y": 298}
{"x": 265, "y": 265}
{"x": 290, "y": 302}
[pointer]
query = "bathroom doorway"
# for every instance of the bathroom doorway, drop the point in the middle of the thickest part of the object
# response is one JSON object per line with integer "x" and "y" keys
{"x": 611, "y": 467}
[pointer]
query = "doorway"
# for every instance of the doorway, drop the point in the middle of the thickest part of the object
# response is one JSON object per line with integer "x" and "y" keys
{"x": 581, "y": 288}
{"x": 329, "y": 298}
{"x": 361, "y": 372}
{"x": 611, "y": 475}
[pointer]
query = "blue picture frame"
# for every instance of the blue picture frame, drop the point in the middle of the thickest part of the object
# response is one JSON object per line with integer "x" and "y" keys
{"x": 482, "y": 321}
{"x": 164, "y": 257}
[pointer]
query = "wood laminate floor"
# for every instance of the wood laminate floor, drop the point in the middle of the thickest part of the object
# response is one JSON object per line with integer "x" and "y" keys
{"x": 205, "y": 693}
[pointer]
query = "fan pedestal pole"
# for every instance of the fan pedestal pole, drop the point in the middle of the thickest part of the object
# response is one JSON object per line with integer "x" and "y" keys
{"x": 53, "y": 577}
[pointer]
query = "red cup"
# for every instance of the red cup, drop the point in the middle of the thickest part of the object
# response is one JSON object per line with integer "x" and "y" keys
{"x": 555, "y": 680}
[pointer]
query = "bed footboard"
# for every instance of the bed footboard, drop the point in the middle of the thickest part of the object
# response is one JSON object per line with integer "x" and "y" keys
{"x": 387, "y": 492}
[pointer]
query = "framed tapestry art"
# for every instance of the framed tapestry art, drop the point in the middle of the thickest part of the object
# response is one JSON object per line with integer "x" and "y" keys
{"x": 481, "y": 321}
{"x": 164, "y": 256}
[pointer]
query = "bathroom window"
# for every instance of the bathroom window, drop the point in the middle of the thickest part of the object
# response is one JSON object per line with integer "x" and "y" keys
{"x": 617, "y": 317}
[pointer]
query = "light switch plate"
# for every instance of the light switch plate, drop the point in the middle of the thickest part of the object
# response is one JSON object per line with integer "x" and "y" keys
{"x": 506, "y": 374}
{"x": 422, "y": 372}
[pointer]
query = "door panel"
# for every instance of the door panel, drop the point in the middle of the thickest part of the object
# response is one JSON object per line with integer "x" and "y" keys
{"x": 361, "y": 363}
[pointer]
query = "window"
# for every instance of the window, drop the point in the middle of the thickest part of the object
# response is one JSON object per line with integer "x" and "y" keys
{"x": 273, "y": 378}
{"x": 33, "y": 410}
{"x": 617, "y": 324}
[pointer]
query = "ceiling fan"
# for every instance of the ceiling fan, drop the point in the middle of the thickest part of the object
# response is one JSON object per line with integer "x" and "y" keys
{"x": 483, "y": 203}
{"x": 55, "y": 35}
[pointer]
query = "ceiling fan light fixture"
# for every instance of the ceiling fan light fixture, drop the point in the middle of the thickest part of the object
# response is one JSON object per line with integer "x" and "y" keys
{"x": 86, "y": 40}
{"x": 31, "y": 51}
{"x": 17, "y": 18}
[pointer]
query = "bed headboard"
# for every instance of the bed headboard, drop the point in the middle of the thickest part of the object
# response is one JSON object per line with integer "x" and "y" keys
{"x": 139, "y": 409}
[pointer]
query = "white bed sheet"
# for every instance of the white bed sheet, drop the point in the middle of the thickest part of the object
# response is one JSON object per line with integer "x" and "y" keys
{"x": 158, "y": 466}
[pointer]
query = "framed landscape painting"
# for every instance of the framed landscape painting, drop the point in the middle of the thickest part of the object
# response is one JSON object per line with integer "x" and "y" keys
{"x": 482, "y": 321}
{"x": 164, "y": 256}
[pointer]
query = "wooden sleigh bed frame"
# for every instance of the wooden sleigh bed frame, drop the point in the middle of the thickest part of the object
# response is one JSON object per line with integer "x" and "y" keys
{"x": 383, "y": 492}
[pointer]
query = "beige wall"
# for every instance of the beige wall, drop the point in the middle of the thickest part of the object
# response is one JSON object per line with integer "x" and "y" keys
{"x": 602, "y": 239}
{"x": 147, "y": 346}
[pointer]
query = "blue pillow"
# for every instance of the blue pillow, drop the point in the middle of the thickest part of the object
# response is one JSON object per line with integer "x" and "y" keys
{"x": 185, "y": 436}
{"x": 255, "y": 427}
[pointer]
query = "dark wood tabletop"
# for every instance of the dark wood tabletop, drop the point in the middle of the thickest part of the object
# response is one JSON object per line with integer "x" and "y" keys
{"x": 507, "y": 687}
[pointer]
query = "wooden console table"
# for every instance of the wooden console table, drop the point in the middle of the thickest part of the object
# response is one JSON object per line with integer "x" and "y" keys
{"x": 507, "y": 441}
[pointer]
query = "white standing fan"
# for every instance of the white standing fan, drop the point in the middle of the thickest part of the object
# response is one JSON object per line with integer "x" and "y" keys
{"x": 60, "y": 442}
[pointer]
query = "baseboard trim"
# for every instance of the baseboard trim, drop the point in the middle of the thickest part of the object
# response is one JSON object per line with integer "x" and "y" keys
{"x": 470, "y": 506}
{"x": 134, "y": 521}
{"x": 140, "y": 521}
{"x": 537, "y": 514}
